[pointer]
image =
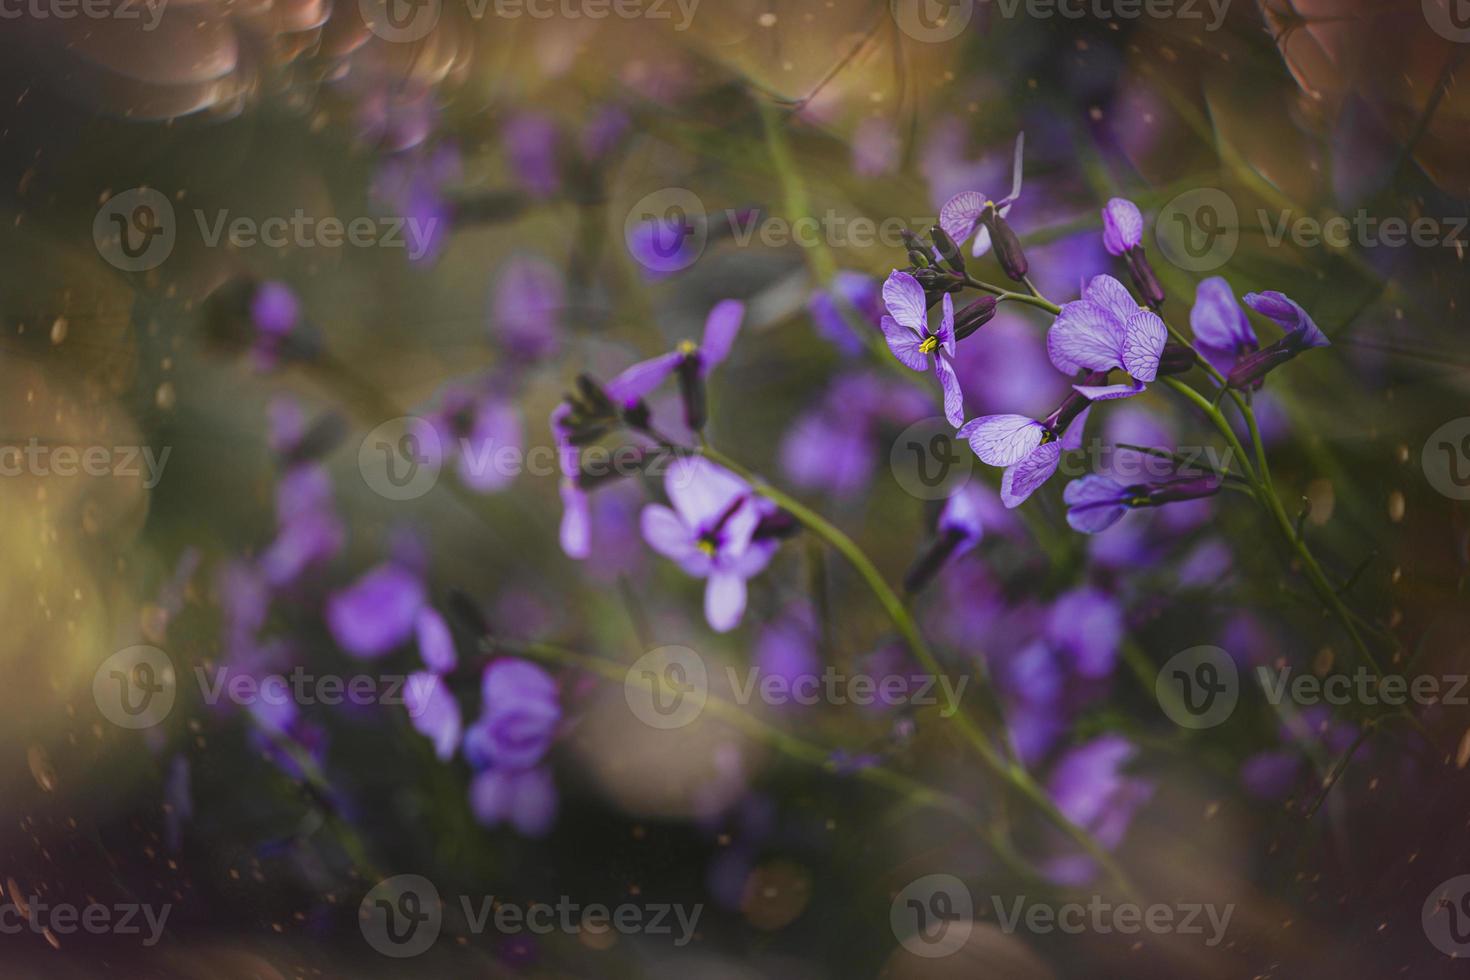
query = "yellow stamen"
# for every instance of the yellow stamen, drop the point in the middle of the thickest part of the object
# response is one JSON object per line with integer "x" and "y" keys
{"x": 707, "y": 546}
{"x": 929, "y": 346}
{"x": 687, "y": 347}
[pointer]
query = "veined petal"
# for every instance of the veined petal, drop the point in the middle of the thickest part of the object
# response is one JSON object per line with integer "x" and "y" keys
{"x": 638, "y": 380}
{"x": 904, "y": 298}
{"x": 720, "y": 330}
{"x": 1085, "y": 335}
{"x": 1107, "y": 393}
{"x": 982, "y": 242}
{"x": 960, "y": 214}
{"x": 1122, "y": 226}
{"x": 1217, "y": 319}
{"x": 949, "y": 383}
{"x": 1002, "y": 440}
{"x": 946, "y": 326}
{"x": 1113, "y": 296}
{"x": 1016, "y": 170}
{"x": 1144, "y": 335}
{"x": 1021, "y": 480}
{"x": 724, "y": 601}
{"x": 904, "y": 343}
{"x": 1072, "y": 439}
{"x": 1290, "y": 315}
{"x": 1094, "y": 503}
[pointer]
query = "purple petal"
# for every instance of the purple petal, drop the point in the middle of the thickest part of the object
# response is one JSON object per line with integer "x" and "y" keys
{"x": 1002, "y": 440}
{"x": 720, "y": 330}
{"x": 1112, "y": 296}
{"x": 949, "y": 382}
{"x": 1104, "y": 393}
{"x": 1021, "y": 480}
{"x": 638, "y": 380}
{"x": 527, "y": 799}
{"x": 702, "y": 492}
{"x": 436, "y": 643}
{"x": 497, "y": 426}
{"x": 1289, "y": 314}
{"x": 1144, "y": 335}
{"x": 527, "y": 306}
{"x": 1085, "y": 335}
{"x": 946, "y": 326}
{"x": 982, "y": 242}
{"x": 377, "y": 612}
{"x": 510, "y": 681}
{"x": 1087, "y": 625}
{"x": 904, "y": 298}
{"x": 1094, "y": 503}
{"x": 1072, "y": 439}
{"x": 576, "y": 529}
{"x": 724, "y": 601}
{"x": 960, "y": 214}
{"x": 1122, "y": 226}
{"x": 275, "y": 309}
{"x": 904, "y": 343}
{"x": 433, "y": 712}
{"x": 665, "y": 533}
{"x": 1217, "y": 319}
{"x": 962, "y": 512}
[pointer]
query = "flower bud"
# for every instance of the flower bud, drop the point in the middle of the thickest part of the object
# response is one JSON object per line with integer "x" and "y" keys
{"x": 692, "y": 391}
{"x": 1144, "y": 279}
{"x": 947, "y": 249}
{"x": 1007, "y": 245}
{"x": 1176, "y": 359}
{"x": 974, "y": 316}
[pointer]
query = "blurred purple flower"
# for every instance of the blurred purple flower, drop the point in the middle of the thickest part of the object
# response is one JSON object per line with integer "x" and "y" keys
{"x": 413, "y": 187}
{"x": 1085, "y": 625}
{"x": 708, "y": 532}
{"x": 378, "y": 612}
{"x": 435, "y": 641}
{"x": 875, "y": 148}
{"x": 1090, "y": 788}
{"x": 433, "y": 712}
{"x": 526, "y": 799}
{"x": 477, "y": 429}
{"x": 853, "y": 291}
{"x": 531, "y": 142}
{"x": 527, "y": 307}
{"x": 518, "y": 718}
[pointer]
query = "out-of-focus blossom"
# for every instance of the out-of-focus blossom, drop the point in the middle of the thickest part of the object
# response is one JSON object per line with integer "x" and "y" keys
{"x": 433, "y": 712}
{"x": 518, "y": 718}
{"x": 524, "y": 798}
{"x": 435, "y": 641}
{"x": 856, "y": 293}
{"x": 958, "y": 530}
{"x": 477, "y": 429}
{"x": 378, "y": 612}
{"x": 1091, "y": 790}
{"x": 415, "y": 187}
{"x": 709, "y": 532}
{"x": 532, "y": 147}
{"x": 527, "y": 307}
{"x": 1086, "y": 626}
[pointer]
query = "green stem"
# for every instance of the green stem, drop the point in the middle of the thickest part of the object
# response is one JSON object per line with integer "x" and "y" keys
{"x": 1010, "y": 771}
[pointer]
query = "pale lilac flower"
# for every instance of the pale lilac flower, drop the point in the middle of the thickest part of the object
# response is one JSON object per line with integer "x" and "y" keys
{"x": 1092, "y": 791}
{"x": 907, "y": 331}
{"x": 709, "y": 533}
{"x": 1122, "y": 226}
{"x": 433, "y": 712}
{"x": 531, "y": 143}
{"x": 1096, "y": 502}
{"x": 1086, "y": 625}
{"x": 693, "y": 362}
{"x": 527, "y": 307}
{"x": 1029, "y": 450}
{"x": 378, "y": 612}
{"x": 1222, "y": 332}
{"x": 859, "y": 294}
{"x": 526, "y": 799}
{"x": 1107, "y": 330}
{"x": 435, "y": 641}
{"x": 477, "y": 429}
{"x": 960, "y": 217}
{"x": 518, "y": 719}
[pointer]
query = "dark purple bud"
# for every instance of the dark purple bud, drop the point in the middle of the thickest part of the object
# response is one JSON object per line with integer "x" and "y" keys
{"x": 1007, "y": 245}
{"x": 1176, "y": 359}
{"x": 974, "y": 316}
{"x": 1144, "y": 279}
{"x": 947, "y": 249}
{"x": 934, "y": 558}
{"x": 1073, "y": 405}
{"x": 691, "y": 390}
{"x": 1181, "y": 488}
{"x": 776, "y": 527}
{"x": 1251, "y": 368}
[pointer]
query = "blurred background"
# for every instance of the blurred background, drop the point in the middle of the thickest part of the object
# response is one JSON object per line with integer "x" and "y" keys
{"x": 244, "y": 241}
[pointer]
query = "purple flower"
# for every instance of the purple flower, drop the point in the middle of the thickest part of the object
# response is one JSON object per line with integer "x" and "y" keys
{"x": 275, "y": 313}
{"x": 526, "y": 799}
{"x": 1301, "y": 334}
{"x": 436, "y": 643}
{"x": 1086, "y": 625}
{"x": 474, "y": 427}
{"x": 604, "y": 131}
{"x": 433, "y": 712}
{"x": 518, "y": 719}
{"x": 530, "y": 141}
{"x": 693, "y": 362}
{"x": 1029, "y": 450}
{"x": 1122, "y": 226}
{"x": 1222, "y": 331}
{"x": 1096, "y": 502}
{"x": 1092, "y": 791}
{"x": 377, "y": 612}
{"x": 826, "y": 306}
{"x": 961, "y": 216}
{"x": 709, "y": 532}
{"x": 413, "y": 187}
{"x": 958, "y": 530}
{"x": 1107, "y": 330}
{"x": 909, "y": 337}
{"x": 527, "y": 307}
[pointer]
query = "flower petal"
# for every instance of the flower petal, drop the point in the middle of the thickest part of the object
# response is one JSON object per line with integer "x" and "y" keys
{"x": 638, "y": 380}
{"x": 720, "y": 330}
{"x": 960, "y": 214}
{"x": 436, "y": 643}
{"x": 665, "y": 533}
{"x": 1021, "y": 480}
{"x": 1107, "y": 393}
{"x": 1085, "y": 335}
{"x": 576, "y": 529}
{"x": 1144, "y": 335}
{"x": 1094, "y": 503}
{"x": 949, "y": 382}
{"x": 702, "y": 492}
{"x": 1002, "y": 440}
{"x": 724, "y": 601}
{"x": 433, "y": 712}
{"x": 904, "y": 298}
{"x": 1113, "y": 296}
{"x": 905, "y": 344}
{"x": 982, "y": 242}
{"x": 1217, "y": 319}
{"x": 1122, "y": 226}
{"x": 946, "y": 326}
{"x": 1072, "y": 439}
